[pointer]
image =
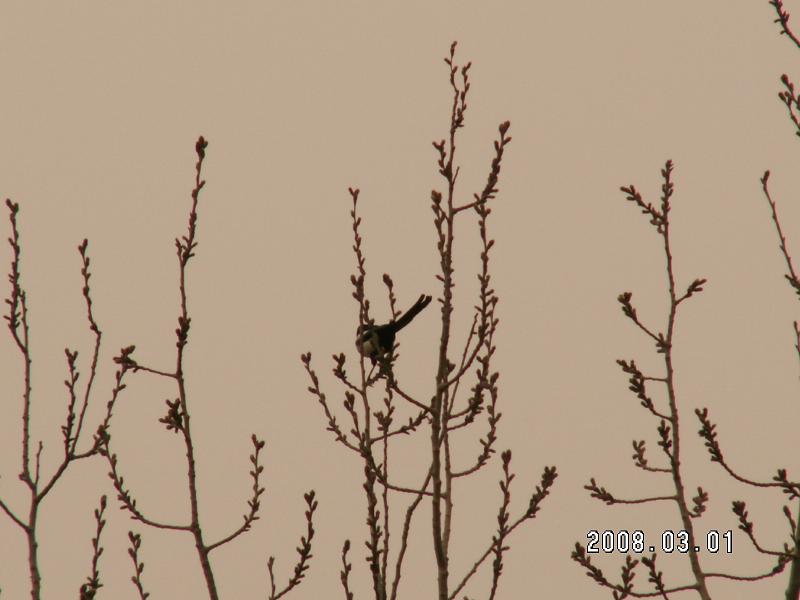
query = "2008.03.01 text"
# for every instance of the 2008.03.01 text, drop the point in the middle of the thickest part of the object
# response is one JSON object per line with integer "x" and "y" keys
{"x": 671, "y": 541}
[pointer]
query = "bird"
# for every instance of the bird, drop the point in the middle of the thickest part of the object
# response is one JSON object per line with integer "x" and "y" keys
{"x": 375, "y": 341}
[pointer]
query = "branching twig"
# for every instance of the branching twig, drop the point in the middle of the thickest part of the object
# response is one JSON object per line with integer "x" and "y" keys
{"x": 89, "y": 589}
{"x": 178, "y": 416}
{"x": 709, "y": 434}
{"x": 668, "y": 427}
{"x": 303, "y": 550}
{"x": 534, "y": 505}
{"x": 39, "y": 485}
{"x": 783, "y": 19}
{"x": 254, "y": 503}
{"x": 345, "y": 572}
{"x": 138, "y": 565}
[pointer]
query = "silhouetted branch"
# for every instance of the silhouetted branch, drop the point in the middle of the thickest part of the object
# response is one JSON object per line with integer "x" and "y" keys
{"x": 98, "y": 337}
{"x": 345, "y": 572}
{"x": 38, "y": 484}
{"x": 303, "y": 550}
{"x": 333, "y": 426}
{"x": 709, "y": 434}
{"x": 254, "y": 503}
{"x": 783, "y": 19}
{"x": 640, "y": 460}
{"x": 602, "y": 494}
{"x": 370, "y": 422}
{"x": 668, "y": 428}
{"x": 129, "y": 503}
{"x": 791, "y": 276}
{"x": 534, "y": 505}
{"x": 138, "y": 566}
{"x": 89, "y": 589}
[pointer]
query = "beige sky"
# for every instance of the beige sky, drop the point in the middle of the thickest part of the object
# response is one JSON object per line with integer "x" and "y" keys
{"x": 101, "y": 106}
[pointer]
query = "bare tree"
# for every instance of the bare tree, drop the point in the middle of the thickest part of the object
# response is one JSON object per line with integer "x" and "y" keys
{"x": 73, "y": 448}
{"x": 373, "y": 425}
{"x": 789, "y": 552}
{"x": 668, "y": 429}
{"x": 176, "y": 419}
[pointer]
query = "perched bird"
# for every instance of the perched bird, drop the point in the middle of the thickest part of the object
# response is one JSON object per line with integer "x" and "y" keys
{"x": 375, "y": 341}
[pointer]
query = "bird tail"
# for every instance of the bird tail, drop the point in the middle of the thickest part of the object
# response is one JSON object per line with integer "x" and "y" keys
{"x": 412, "y": 312}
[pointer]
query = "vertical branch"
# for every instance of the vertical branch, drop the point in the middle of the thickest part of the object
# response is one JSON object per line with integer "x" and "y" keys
{"x": 502, "y": 523}
{"x": 444, "y": 220}
{"x": 98, "y": 336}
{"x": 185, "y": 248}
{"x": 138, "y": 565}
{"x": 89, "y": 589}
{"x": 669, "y": 422}
{"x": 178, "y": 420}
{"x": 442, "y": 405}
{"x": 365, "y": 435}
{"x": 384, "y": 427}
{"x": 178, "y": 417}
{"x": 793, "y": 587}
{"x": 404, "y": 536}
{"x": 677, "y": 476}
{"x": 357, "y": 280}
{"x": 344, "y": 574}
{"x": 17, "y": 318}
{"x": 374, "y": 541}
{"x": 792, "y": 101}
